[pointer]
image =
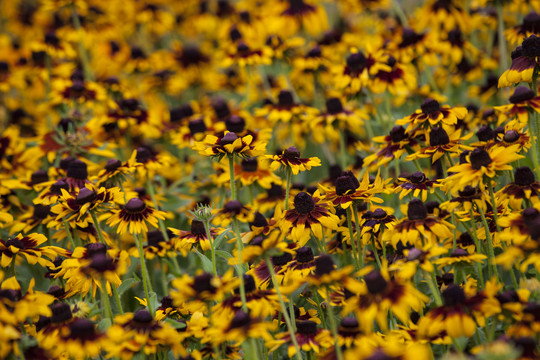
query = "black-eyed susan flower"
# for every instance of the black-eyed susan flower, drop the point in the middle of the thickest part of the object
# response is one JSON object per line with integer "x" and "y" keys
{"x": 377, "y": 294}
{"x": 524, "y": 188}
{"x": 522, "y": 101}
{"x": 290, "y": 159}
{"x": 309, "y": 215}
{"x": 308, "y": 336}
{"x": 524, "y": 62}
{"x": 80, "y": 340}
{"x": 229, "y": 144}
{"x": 349, "y": 190}
{"x": 139, "y": 332}
{"x": 391, "y": 147}
{"x": 185, "y": 239}
{"x": 482, "y": 163}
{"x": 441, "y": 143}
{"x": 28, "y": 247}
{"x": 133, "y": 216}
{"x": 417, "y": 183}
{"x": 431, "y": 114}
{"x": 418, "y": 228}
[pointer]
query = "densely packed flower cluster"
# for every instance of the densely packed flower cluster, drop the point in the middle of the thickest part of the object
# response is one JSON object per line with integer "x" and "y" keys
{"x": 219, "y": 179}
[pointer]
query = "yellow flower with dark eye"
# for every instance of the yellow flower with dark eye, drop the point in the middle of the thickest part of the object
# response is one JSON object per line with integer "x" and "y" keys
{"x": 308, "y": 336}
{"x": 238, "y": 326}
{"x": 431, "y": 114}
{"x": 27, "y": 247}
{"x": 522, "y": 101}
{"x": 75, "y": 208}
{"x": 419, "y": 228}
{"x": 133, "y": 216}
{"x": 480, "y": 164}
{"x": 377, "y": 294}
{"x": 459, "y": 257}
{"x": 441, "y": 143}
{"x": 349, "y": 190}
{"x": 525, "y": 59}
{"x": 139, "y": 333}
{"x": 417, "y": 183}
{"x": 309, "y": 215}
{"x": 524, "y": 187}
{"x": 79, "y": 340}
{"x": 290, "y": 158}
{"x": 229, "y": 144}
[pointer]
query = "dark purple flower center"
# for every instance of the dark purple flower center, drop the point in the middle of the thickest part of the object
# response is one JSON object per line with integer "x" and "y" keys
{"x": 324, "y": 265}
{"x": 85, "y": 196}
{"x": 291, "y": 153}
{"x": 303, "y": 203}
{"x": 356, "y": 62}
{"x": 524, "y": 176}
{"x": 235, "y": 124}
{"x": 250, "y": 165}
{"x": 375, "y": 282}
{"x": 304, "y": 254}
{"x": 306, "y": 327}
{"x": 479, "y": 158}
{"x": 511, "y": 136}
{"x": 135, "y": 205}
{"x": 530, "y": 47}
{"x": 416, "y": 210}
{"x": 197, "y": 227}
{"x": 39, "y": 177}
{"x": 334, "y": 106}
{"x": 77, "y": 170}
{"x": 417, "y": 177}
{"x": 285, "y": 98}
{"x": 227, "y": 139}
{"x": 438, "y": 137}
{"x": 485, "y": 133}
{"x": 521, "y": 94}
{"x": 397, "y": 134}
{"x": 143, "y": 317}
{"x": 453, "y": 295}
{"x": 430, "y": 106}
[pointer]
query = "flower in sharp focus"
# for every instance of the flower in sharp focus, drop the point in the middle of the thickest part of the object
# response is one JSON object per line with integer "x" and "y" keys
{"x": 133, "y": 216}
{"x": 309, "y": 215}
{"x": 290, "y": 159}
{"x": 525, "y": 59}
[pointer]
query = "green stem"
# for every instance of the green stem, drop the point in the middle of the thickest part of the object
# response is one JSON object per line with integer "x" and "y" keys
{"x": 283, "y": 308}
{"x": 98, "y": 227}
{"x": 352, "y": 240}
{"x": 478, "y": 249}
{"x": 117, "y": 298}
{"x": 240, "y": 267}
{"x": 212, "y": 246}
{"x": 231, "y": 175}
{"x": 146, "y": 277}
{"x": 105, "y": 299}
{"x": 333, "y": 329}
{"x": 432, "y": 283}
{"x": 358, "y": 234}
{"x": 491, "y": 253}
{"x": 503, "y": 52}
{"x": 288, "y": 188}
{"x": 68, "y": 232}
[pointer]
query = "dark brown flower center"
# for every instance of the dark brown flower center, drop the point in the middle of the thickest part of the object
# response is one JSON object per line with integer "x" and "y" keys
{"x": 485, "y": 133}
{"x": 77, "y": 170}
{"x": 240, "y": 320}
{"x": 41, "y": 211}
{"x": 334, "y": 106}
{"x": 113, "y": 164}
{"x": 479, "y": 158}
{"x": 282, "y": 259}
{"x": 530, "y": 47}
{"x": 259, "y": 220}
{"x": 521, "y": 94}
{"x": 416, "y": 210}
{"x": 324, "y": 265}
{"x": 524, "y": 176}
{"x": 85, "y": 196}
{"x": 235, "y": 124}
{"x": 303, "y": 203}
{"x": 356, "y": 62}
{"x": 285, "y": 98}
{"x": 179, "y": 113}
{"x": 196, "y": 126}
{"x": 306, "y": 327}
{"x": 60, "y": 313}
{"x": 143, "y": 155}
{"x": 291, "y": 153}
{"x": 197, "y": 227}
{"x": 397, "y": 134}
{"x": 430, "y": 106}
{"x": 453, "y": 295}
{"x": 227, "y": 139}
{"x": 102, "y": 263}
{"x": 459, "y": 252}
{"x": 438, "y": 137}
{"x": 82, "y": 329}
{"x": 417, "y": 177}
{"x": 304, "y": 254}
{"x": 375, "y": 282}
{"x": 135, "y": 205}
{"x": 203, "y": 282}
{"x": 511, "y": 136}
{"x": 143, "y": 317}
{"x": 346, "y": 182}
{"x": 250, "y": 165}
{"x": 39, "y": 177}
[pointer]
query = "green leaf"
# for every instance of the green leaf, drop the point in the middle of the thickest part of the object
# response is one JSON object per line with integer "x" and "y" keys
{"x": 224, "y": 254}
{"x": 206, "y": 262}
{"x": 126, "y": 284}
{"x": 175, "y": 324}
{"x": 153, "y": 300}
{"x": 104, "y": 324}
{"x": 219, "y": 239}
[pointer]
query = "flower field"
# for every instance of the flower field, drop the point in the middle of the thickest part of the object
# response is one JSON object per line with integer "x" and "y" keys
{"x": 304, "y": 179}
